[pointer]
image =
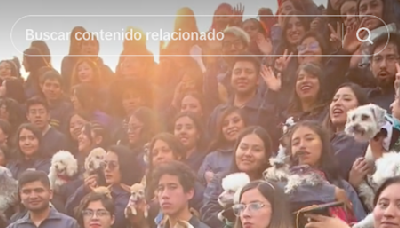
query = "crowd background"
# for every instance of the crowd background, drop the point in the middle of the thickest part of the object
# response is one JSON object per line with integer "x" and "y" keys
{"x": 181, "y": 125}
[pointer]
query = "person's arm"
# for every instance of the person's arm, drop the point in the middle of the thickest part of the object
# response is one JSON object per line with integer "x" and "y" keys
{"x": 211, "y": 208}
{"x": 74, "y": 200}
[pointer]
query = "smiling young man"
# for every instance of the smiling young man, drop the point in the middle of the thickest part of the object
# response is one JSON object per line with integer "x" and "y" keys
{"x": 35, "y": 195}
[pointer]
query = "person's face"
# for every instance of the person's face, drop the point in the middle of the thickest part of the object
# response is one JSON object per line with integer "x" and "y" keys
{"x": 307, "y": 146}
{"x": 172, "y": 197}
{"x": 310, "y": 51}
{"x": 97, "y": 216}
{"x": 244, "y": 78}
{"x": 4, "y": 113}
{"x": 75, "y": 126}
{"x": 185, "y": 130}
{"x": 286, "y": 7}
{"x": 134, "y": 129}
{"x": 349, "y": 10}
{"x": 51, "y": 89}
{"x": 38, "y": 115}
{"x": 161, "y": 153}
{"x": 191, "y": 104}
{"x": 255, "y": 218}
{"x": 85, "y": 72}
{"x": 130, "y": 102}
{"x": 343, "y": 101}
{"x": 5, "y": 70}
{"x": 295, "y": 30}
{"x": 28, "y": 143}
{"x": 250, "y": 155}
{"x": 232, "y": 45}
{"x": 251, "y": 28}
{"x": 231, "y": 126}
{"x": 3, "y": 137}
{"x": 307, "y": 85}
{"x": 387, "y": 211}
{"x": 395, "y": 107}
{"x": 371, "y": 8}
{"x": 35, "y": 196}
{"x": 76, "y": 103}
{"x": 90, "y": 48}
{"x": 112, "y": 171}
{"x": 383, "y": 64}
{"x": 84, "y": 142}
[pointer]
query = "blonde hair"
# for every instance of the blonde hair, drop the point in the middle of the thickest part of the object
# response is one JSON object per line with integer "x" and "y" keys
{"x": 238, "y": 32}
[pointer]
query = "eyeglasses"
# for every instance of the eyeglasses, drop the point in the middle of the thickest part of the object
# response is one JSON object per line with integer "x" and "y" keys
{"x": 311, "y": 46}
{"x": 111, "y": 164}
{"x": 99, "y": 213}
{"x": 253, "y": 207}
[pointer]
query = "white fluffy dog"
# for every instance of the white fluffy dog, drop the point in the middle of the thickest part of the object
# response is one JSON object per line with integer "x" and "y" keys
{"x": 232, "y": 185}
{"x": 8, "y": 190}
{"x": 280, "y": 166}
{"x": 95, "y": 160}
{"x": 63, "y": 167}
{"x": 387, "y": 166}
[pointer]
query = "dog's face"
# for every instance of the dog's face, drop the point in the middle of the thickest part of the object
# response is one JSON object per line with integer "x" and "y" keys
{"x": 365, "y": 122}
{"x": 138, "y": 192}
{"x": 226, "y": 198}
{"x": 95, "y": 160}
{"x": 64, "y": 163}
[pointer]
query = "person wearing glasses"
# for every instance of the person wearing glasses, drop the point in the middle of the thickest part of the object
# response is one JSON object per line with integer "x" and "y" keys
{"x": 96, "y": 210}
{"x": 262, "y": 204}
{"x": 119, "y": 174}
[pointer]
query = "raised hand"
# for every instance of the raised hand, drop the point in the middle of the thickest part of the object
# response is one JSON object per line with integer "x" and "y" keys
{"x": 282, "y": 62}
{"x": 351, "y": 43}
{"x": 264, "y": 44}
{"x": 335, "y": 35}
{"x": 238, "y": 12}
{"x": 273, "y": 82}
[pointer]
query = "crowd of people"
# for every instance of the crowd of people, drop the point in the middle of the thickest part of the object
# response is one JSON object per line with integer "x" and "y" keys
{"x": 182, "y": 125}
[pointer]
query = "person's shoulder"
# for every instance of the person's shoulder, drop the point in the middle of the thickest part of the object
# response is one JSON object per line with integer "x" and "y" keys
{"x": 67, "y": 220}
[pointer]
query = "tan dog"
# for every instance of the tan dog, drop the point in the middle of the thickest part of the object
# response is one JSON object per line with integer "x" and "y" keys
{"x": 138, "y": 196}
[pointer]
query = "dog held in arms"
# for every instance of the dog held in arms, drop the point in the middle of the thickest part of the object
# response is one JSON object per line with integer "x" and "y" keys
{"x": 138, "y": 196}
{"x": 8, "y": 190}
{"x": 365, "y": 123}
{"x": 63, "y": 168}
{"x": 95, "y": 165}
{"x": 232, "y": 185}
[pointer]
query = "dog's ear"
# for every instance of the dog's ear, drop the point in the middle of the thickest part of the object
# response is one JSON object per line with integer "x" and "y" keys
{"x": 379, "y": 115}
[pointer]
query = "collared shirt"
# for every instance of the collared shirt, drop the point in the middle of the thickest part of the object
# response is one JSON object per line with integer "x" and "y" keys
{"x": 194, "y": 221}
{"x": 54, "y": 219}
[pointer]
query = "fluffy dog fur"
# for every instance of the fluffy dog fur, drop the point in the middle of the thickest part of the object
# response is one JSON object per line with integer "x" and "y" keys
{"x": 63, "y": 167}
{"x": 95, "y": 160}
{"x": 294, "y": 181}
{"x": 138, "y": 195}
{"x": 232, "y": 185}
{"x": 387, "y": 166}
{"x": 279, "y": 169}
{"x": 8, "y": 190}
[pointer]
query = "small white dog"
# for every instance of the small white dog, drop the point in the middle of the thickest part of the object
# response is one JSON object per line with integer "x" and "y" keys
{"x": 63, "y": 167}
{"x": 8, "y": 190}
{"x": 95, "y": 160}
{"x": 387, "y": 166}
{"x": 232, "y": 185}
{"x": 280, "y": 166}
{"x": 303, "y": 175}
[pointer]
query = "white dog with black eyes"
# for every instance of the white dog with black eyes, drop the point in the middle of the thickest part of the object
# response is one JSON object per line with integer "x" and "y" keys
{"x": 364, "y": 123}
{"x": 63, "y": 167}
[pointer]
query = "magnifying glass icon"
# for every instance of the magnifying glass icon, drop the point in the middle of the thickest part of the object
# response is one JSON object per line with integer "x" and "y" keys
{"x": 368, "y": 38}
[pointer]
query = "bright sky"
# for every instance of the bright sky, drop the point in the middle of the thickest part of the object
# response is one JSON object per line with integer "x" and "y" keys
{"x": 62, "y": 24}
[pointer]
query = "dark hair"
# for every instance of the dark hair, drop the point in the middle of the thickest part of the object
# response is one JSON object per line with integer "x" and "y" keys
{"x": 265, "y": 138}
{"x": 51, "y": 75}
{"x": 198, "y": 97}
{"x": 294, "y": 107}
{"x": 126, "y": 161}
{"x": 281, "y": 215}
{"x": 15, "y": 89}
{"x": 185, "y": 174}
{"x": 359, "y": 93}
{"x": 35, "y": 61}
{"x": 36, "y": 101}
{"x": 246, "y": 56}
{"x": 384, "y": 186}
{"x": 94, "y": 196}
{"x": 328, "y": 162}
{"x": 87, "y": 96}
{"x": 322, "y": 43}
{"x": 258, "y": 24}
{"x": 36, "y": 132}
{"x": 14, "y": 70}
{"x": 31, "y": 176}
{"x": 388, "y": 13}
{"x": 150, "y": 124}
{"x": 384, "y": 39}
{"x": 98, "y": 130}
{"x": 220, "y": 139}
{"x": 17, "y": 116}
{"x": 44, "y": 49}
{"x": 305, "y": 21}
{"x": 74, "y": 47}
{"x": 5, "y": 127}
